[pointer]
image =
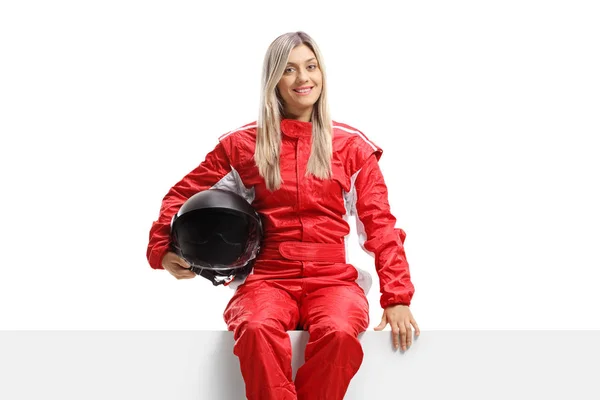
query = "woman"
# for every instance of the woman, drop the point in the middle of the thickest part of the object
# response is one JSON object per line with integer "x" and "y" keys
{"x": 304, "y": 174}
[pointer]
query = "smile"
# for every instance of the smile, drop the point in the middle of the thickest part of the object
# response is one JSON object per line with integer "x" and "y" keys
{"x": 303, "y": 91}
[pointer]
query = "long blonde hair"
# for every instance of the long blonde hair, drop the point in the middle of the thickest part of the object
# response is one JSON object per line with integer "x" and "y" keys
{"x": 268, "y": 138}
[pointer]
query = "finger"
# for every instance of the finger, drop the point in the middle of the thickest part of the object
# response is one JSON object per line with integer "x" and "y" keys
{"x": 408, "y": 334}
{"x": 396, "y": 335}
{"x": 402, "y": 336}
{"x": 189, "y": 273}
{"x": 178, "y": 268}
{"x": 182, "y": 273}
{"x": 382, "y": 324}
{"x": 183, "y": 264}
{"x": 417, "y": 330}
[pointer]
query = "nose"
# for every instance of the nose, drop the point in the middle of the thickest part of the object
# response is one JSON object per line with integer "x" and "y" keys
{"x": 302, "y": 76}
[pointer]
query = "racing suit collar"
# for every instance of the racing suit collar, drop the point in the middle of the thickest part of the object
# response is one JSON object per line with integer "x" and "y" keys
{"x": 295, "y": 128}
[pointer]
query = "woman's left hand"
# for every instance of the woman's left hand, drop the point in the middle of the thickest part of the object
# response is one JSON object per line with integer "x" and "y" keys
{"x": 400, "y": 319}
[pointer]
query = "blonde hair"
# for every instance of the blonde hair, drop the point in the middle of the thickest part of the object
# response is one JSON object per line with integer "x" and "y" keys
{"x": 268, "y": 138}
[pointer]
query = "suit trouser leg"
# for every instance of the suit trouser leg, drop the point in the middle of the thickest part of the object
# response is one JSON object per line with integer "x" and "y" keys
{"x": 260, "y": 314}
{"x": 334, "y": 316}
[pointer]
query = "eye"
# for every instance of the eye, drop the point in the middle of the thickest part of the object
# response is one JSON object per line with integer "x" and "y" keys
{"x": 312, "y": 67}
{"x": 289, "y": 70}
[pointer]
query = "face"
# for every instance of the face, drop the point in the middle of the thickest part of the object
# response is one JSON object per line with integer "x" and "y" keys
{"x": 301, "y": 83}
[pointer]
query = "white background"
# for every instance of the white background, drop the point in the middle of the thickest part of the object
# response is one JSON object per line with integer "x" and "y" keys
{"x": 488, "y": 114}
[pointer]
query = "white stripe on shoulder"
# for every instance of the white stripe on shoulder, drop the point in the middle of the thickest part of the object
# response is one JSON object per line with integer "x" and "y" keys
{"x": 236, "y": 130}
{"x": 358, "y": 133}
{"x": 233, "y": 183}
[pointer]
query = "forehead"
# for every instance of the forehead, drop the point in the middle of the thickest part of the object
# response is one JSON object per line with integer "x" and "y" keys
{"x": 301, "y": 54}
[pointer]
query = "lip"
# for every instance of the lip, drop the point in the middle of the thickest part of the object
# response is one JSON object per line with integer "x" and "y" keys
{"x": 303, "y": 88}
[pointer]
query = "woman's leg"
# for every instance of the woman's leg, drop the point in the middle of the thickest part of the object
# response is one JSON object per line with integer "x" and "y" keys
{"x": 334, "y": 316}
{"x": 260, "y": 313}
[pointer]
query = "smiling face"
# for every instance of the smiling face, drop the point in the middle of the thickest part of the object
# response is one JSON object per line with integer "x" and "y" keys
{"x": 301, "y": 83}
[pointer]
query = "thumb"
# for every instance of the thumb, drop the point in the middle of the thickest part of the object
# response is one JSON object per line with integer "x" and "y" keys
{"x": 182, "y": 263}
{"x": 382, "y": 324}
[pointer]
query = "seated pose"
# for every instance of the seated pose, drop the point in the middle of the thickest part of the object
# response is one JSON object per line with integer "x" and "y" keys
{"x": 304, "y": 174}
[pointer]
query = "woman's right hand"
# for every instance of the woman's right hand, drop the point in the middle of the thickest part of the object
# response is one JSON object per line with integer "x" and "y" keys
{"x": 177, "y": 266}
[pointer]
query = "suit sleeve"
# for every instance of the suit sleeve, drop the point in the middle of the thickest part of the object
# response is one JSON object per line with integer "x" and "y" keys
{"x": 379, "y": 236}
{"x": 214, "y": 167}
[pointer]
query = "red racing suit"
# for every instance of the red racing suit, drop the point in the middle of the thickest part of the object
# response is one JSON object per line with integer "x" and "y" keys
{"x": 301, "y": 278}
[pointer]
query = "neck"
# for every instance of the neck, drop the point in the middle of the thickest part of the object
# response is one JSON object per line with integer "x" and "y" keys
{"x": 304, "y": 116}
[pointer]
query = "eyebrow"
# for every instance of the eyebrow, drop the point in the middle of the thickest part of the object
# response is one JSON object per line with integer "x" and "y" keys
{"x": 309, "y": 60}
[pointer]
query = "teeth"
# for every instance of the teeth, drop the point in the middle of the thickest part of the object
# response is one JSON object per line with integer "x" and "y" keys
{"x": 302, "y": 90}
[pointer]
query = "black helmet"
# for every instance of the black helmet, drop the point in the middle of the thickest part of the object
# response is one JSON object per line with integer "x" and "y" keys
{"x": 218, "y": 233}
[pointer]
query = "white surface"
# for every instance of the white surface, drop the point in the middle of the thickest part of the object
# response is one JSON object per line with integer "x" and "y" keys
{"x": 188, "y": 365}
{"x": 487, "y": 113}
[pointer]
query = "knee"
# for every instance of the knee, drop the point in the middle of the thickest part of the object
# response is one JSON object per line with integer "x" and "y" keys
{"x": 255, "y": 327}
{"x": 337, "y": 336}
{"x": 342, "y": 335}
{"x": 341, "y": 342}
{"x": 340, "y": 329}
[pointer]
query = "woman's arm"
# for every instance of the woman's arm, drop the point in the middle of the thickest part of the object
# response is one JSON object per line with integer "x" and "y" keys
{"x": 213, "y": 169}
{"x": 379, "y": 236}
